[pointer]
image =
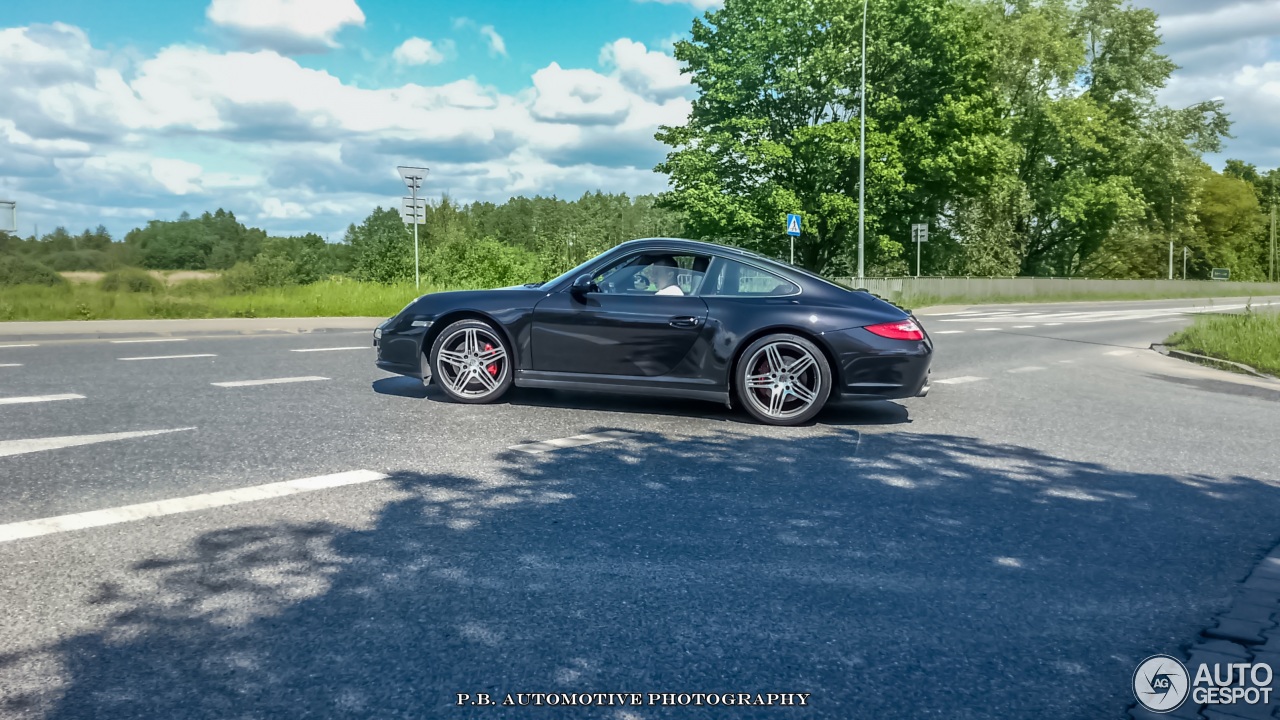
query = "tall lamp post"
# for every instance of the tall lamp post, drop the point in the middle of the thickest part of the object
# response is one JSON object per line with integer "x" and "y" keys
{"x": 413, "y": 177}
{"x": 862, "y": 152}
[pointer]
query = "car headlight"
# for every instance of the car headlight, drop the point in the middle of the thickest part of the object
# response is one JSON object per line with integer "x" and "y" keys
{"x": 377, "y": 334}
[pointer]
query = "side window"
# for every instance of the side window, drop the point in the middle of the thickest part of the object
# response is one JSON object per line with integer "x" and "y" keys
{"x": 654, "y": 274}
{"x": 730, "y": 278}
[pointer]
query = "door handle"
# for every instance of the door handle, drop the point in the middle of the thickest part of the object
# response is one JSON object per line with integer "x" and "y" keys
{"x": 685, "y": 321}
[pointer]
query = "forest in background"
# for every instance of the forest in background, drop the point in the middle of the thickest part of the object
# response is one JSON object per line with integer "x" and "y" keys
{"x": 1027, "y": 133}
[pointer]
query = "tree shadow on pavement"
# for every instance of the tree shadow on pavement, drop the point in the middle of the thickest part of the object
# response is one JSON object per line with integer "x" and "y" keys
{"x": 892, "y": 575}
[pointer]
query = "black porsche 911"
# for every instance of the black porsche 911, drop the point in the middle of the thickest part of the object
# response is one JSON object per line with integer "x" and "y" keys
{"x": 667, "y": 317}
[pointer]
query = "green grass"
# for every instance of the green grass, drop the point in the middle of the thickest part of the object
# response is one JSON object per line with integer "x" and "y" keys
{"x": 205, "y": 299}
{"x": 1252, "y": 338}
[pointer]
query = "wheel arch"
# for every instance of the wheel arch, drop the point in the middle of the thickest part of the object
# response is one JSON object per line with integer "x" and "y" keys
{"x": 453, "y": 316}
{"x": 815, "y": 338}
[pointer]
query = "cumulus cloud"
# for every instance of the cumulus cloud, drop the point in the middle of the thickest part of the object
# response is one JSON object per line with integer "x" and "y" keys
{"x": 286, "y": 26}
{"x": 497, "y": 45}
{"x": 297, "y": 148}
{"x": 417, "y": 51}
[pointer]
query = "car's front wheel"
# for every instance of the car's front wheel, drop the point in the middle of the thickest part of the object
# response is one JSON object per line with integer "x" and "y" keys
{"x": 783, "y": 379}
{"x": 471, "y": 363}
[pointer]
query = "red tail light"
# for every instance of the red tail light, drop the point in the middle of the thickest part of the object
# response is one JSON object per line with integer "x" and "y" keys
{"x": 899, "y": 330}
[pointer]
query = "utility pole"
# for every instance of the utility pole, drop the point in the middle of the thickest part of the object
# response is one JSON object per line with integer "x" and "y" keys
{"x": 1272, "y": 274}
{"x": 862, "y": 152}
{"x": 1170, "y": 259}
{"x": 1184, "y": 262}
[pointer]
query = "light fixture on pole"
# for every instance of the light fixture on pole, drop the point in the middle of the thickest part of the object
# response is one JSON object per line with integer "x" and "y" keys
{"x": 862, "y": 152}
{"x": 413, "y": 177}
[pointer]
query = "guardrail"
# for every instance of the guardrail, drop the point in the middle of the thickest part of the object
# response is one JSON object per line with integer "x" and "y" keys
{"x": 976, "y": 289}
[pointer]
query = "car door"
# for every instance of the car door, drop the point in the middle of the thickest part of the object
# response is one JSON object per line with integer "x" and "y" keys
{"x": 622, "y": 330}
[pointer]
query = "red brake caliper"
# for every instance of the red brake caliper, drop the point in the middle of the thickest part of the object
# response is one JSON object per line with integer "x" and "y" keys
{"x": 491, "y": 367}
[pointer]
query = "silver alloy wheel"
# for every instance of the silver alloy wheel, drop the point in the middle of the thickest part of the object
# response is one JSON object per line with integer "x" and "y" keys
{"x": 783, "y": 380}
{"x": 472, "y": 363}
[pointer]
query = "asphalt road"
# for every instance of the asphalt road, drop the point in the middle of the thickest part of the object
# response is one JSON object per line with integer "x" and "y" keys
{"x": 1064, "y": 504}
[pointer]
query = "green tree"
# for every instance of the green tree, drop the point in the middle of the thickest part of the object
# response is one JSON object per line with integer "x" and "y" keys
{"x": 383, "y": 247}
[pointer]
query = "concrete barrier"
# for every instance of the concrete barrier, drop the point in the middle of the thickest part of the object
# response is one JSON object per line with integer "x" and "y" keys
{"x": 973, "y": 289}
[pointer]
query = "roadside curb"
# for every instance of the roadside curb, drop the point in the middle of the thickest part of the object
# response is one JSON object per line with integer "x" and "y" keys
{"x": 1248, "y": 631}
{"x": 196, "y": 327}
{"x": 1210, "y": 361}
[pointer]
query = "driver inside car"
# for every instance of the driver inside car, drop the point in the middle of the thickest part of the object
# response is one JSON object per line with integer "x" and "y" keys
{"x": 663, "y": 273}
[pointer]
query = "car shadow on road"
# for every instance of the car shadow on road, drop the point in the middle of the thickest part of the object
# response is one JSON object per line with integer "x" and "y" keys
{"x": 892, "y": 575}
{"x": 836, "y": 413}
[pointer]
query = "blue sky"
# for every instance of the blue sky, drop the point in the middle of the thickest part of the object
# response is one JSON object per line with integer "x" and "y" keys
{"x": 294, "y": 113}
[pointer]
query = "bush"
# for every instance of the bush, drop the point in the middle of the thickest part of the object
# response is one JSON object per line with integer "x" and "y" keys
{"x": 266, "y": 271}
{"x": 73, "y": 260}
{"x": 484, "y": 264}
{"x": 130, "y": 280}
{"x": 17, "y": 270}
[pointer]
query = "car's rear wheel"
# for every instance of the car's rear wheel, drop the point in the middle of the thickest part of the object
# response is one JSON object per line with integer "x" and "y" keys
{"x": 471, "y": 363}
{"x": 783, "y": 379}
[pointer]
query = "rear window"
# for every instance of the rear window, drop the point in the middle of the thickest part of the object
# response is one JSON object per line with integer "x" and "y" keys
{"x": 730, "y": 278}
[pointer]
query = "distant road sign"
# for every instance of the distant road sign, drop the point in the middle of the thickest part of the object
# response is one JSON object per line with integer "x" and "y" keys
{"x": 1220, "y": 274}
{"x": 920, "y": 232}
{"x": 793, "y": 225}
{"x": 8, "y": 216}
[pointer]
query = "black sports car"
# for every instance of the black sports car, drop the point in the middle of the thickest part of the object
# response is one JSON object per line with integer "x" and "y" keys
{"x": 666, "y": 317}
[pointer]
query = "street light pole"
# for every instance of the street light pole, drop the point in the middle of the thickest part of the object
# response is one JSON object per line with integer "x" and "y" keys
{"x": 1184, "y": 262}
{"x": 862, "y": 152}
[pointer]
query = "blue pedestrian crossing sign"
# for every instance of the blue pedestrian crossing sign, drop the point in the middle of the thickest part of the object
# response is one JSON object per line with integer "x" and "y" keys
{"x": 793, "y": 225}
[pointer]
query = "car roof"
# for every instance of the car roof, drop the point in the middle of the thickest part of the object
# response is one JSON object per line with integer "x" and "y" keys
{"x": 694, "y": 246}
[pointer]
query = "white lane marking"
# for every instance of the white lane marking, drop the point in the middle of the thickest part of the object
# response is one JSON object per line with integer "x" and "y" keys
{"x": 352, "y": 347}
{"x": 1052, "y": 324}
{"x": 1027, "y": 369}
{"x": 1120, "y": 353}
{"x": 147, "y": 340}
{"x": 129, "y": 513}
{"x": 989, "y": 329}
{"x": 1066, "y": 362}
{"x": 1022, "y": 327}
{"x": 22, "y": 447}
{"x": 168, "y": 357}
{"x": 948, "y": 332}
{"x": 39, "y": 398}
{"x": 10, "y": 364}
{"x": 959, "y": 380}
{"x": 270, "y": 381}
{"x": 575, "y": 441}
{"x": 17, "y": 346}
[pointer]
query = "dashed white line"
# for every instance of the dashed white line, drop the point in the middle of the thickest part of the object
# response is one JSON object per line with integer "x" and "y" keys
{"x": 22, "y": 447}
{"x": 960, "y": 380}
{"x": 18, "y": 346}
{"x": 39, "y": 399}
{"x": 948, "y": 332}
{"x": 1023, "y": 327}
{"x": 1027, "y": 369}
{"x": 141, "y": 511}
{"x": 269, "y": 381}
{"x": 351, "y": 347}
{"x": 168, "y": 357}
{"x": 1066, "y": 362}
{"x": 575, "y": 441}
{"x": 989, "y": 329}
{"x": 147, "y": 340}
{"x": 10, "y": 364}
{"x": 1052, "y": 324}
{"x": 1120, "y": 353}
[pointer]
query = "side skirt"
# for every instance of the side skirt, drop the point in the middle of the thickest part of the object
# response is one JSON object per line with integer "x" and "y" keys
{"x": 623, "y": 384}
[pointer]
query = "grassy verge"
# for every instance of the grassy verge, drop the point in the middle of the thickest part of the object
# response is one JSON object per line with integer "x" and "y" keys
{"x": 1252, "y": 339}
{"x": 204, "y": 299}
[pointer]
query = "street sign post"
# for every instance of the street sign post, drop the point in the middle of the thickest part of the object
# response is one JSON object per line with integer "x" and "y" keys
{"x": 793, "y": 229}
{"x": 413, "y": 177}
{"x": 1220, "y": 274}
{"x": 8, "y": 216}
{"x": 919, "y": 236}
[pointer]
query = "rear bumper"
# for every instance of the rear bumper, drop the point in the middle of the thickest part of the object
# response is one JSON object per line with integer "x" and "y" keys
{"x": 871, "y": 367}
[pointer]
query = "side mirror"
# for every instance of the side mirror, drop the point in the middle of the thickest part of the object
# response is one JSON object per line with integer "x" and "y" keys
{"x": 582, "y": 285}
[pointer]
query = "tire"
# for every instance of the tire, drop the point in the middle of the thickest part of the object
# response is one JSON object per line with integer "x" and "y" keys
{"x": 471, "y": 362}
{"x": 771, "y": 390}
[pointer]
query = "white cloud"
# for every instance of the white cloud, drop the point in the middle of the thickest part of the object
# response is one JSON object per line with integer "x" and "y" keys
{"x": 497, "y": 45}
{"x": 416, "y": 51}
{"x": 699, "y": 5}
{"x": 287, "y": 26}
{"x": 297, "y": 148}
